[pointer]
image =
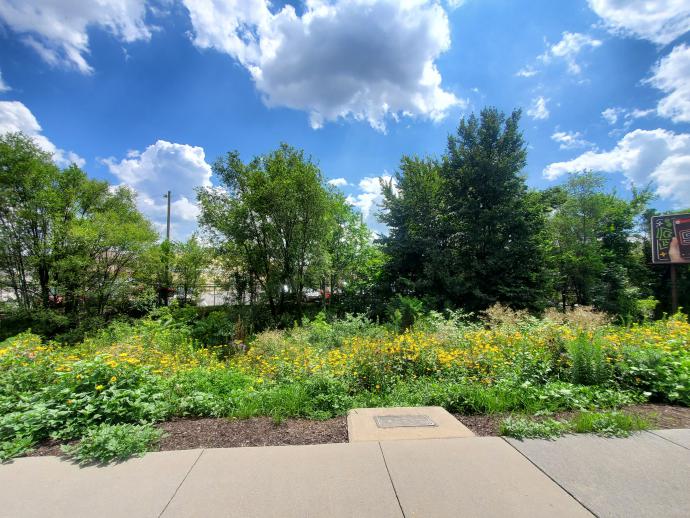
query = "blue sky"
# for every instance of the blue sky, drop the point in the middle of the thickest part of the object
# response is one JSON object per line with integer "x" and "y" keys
{"x": 149, "y": 93}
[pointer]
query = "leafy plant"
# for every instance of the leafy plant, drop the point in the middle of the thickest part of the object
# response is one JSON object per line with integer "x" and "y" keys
{"x": 589, "y": 365}
{"x": 107, "y": 443}
{"x": 608, "y": 424}
{"x": 524, "y": 428}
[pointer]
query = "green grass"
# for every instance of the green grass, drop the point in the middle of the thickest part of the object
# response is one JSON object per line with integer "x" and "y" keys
{"x": 606, "y": 424}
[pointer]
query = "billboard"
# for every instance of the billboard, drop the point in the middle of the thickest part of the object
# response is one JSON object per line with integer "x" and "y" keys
{"x": 671, "y": 239}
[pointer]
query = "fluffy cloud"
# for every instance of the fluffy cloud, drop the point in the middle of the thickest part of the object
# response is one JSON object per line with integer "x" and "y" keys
{"x": 338, "y": 182}
{"x": 672, "y": 76}
{"x": 659, "y": 156}
{"x": 527, "y": 71}
{"x": 363, "y": 59}
{"x": 568, "y": 48}
{"x": 538, "y": 110}
{"x": 369, "y": 198}
{"x": 58, "y": 29}
{"x": 570, "y": 140}
{"x": 15, "y": 117}
{"x": 614, "y": 115}
{"x": 165, "y": 166}
{"x": 659, "y": 21}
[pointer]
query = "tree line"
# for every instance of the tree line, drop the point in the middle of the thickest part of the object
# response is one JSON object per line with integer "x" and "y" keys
{"x": 464, "y": 231}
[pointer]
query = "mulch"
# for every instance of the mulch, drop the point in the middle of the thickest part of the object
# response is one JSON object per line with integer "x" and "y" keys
{"x": 186, "y": 434}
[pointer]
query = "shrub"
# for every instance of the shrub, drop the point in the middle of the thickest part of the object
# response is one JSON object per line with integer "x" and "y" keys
{"x": 404, "y": 312}
{"x": 107, "y": 443}
{"x": 215, "y": 329}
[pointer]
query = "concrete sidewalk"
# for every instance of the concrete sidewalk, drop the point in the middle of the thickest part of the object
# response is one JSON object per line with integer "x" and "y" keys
{"x": 476, "y": 476}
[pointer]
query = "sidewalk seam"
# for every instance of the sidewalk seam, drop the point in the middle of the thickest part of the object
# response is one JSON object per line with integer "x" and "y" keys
{"x": 395, "y": 491}
{"x": 667, "y": 439}
{"x": 182, "y": 482}
{"x": 549, "y": 477}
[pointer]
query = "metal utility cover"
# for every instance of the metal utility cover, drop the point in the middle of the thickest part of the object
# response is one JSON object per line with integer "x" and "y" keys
{"x": 400, "y": 421}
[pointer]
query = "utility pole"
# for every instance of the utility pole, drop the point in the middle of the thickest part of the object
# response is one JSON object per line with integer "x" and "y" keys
{"x": 167, "y": 231}
{"x": 166, "y": 288}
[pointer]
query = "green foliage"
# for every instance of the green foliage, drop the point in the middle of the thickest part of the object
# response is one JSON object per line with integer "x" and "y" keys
{"x": 588, "y": 362}
{"x": 457, "y": 225}
{"x": 214, "y": 329}
{"x": 405, "y": 311}
{"x": 524, "y": 428}
{"x": 608, "y": 424}
{"x": 189, "y": 259}
{"x": 664, "y": 376}
{"x": 65, "y": 240}
{"x": 108, "y": 443}
{"x": 279, "y": 214}
{"x": 326, "y": 334}
{"x": 596, "y": 252}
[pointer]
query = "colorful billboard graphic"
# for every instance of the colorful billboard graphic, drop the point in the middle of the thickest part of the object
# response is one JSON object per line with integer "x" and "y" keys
{"x": 671, "y": 239}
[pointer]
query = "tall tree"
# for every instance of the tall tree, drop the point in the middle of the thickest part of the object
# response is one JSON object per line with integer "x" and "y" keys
{"x": 189, "y": 260}
{"x": 275, "y": 208}
{"x": 493, "y": 224}
{"x": 63, "y": 237}
{"x": 412, "y": 209}
{"x": 597, "y": 245}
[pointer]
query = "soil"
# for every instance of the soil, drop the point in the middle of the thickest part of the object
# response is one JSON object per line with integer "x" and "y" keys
{"x": 184, "y": 434}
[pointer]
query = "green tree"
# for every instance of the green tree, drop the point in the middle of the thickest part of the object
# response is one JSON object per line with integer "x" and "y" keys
{"x": 352, "y": 262}
{"x": 412, "y": 209}
{"x": 189, "y": 260}
{"x": 65, "y": 239}
{"x": 275, "y": 209}
{"x": 597, "y": 247}
{"x": 493, "y": 225}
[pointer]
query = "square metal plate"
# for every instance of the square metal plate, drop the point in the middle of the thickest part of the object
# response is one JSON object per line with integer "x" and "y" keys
{"x": 400, "y": 421}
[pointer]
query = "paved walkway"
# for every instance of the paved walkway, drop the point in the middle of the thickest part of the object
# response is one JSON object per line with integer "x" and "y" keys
{"x": 647, "y": 475}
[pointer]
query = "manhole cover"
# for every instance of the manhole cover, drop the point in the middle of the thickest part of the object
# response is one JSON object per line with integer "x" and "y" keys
{"x": 399, "y": 421}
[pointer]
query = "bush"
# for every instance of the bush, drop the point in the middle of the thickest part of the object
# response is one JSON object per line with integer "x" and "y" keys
{"x": 107, "y": 443}
{"x": 404, "y": 312}
{"x": 215, "y": 329}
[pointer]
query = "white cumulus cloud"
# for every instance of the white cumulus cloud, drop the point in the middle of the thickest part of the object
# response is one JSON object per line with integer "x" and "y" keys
{"x": 58, "y": 29}
{"x": 627, "y": 116}
{"x": 659, "y": 21}
{"x": 338, "y": 182}
{"x": 570, "y": 140}
{"x": 568, "y": 48}
{"x": 369, "y": 60}
{"x": 164, "y": 166}
{"x": 16, "y": 117}
{"x": 672, "y": 76}
{"x": 659, "y": 156}
{"x": 368, "y": 199}
{"x": 538, "y": 110}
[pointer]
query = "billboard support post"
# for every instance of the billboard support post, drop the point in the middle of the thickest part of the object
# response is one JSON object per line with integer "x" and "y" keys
{"x": 674, "y": 290}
